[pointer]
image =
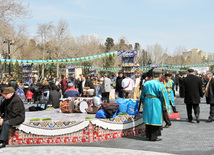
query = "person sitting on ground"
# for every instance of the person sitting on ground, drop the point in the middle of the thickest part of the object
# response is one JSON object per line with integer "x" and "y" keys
{"x": 54, "y": 97}
{"x": 71, "y": 91}
{"x": 12, "y": 112}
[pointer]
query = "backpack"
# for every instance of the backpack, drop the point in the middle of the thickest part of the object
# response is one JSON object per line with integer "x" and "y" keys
{"x": 110, "y": 109}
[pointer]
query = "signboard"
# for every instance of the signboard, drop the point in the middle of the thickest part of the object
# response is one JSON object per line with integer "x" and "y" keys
{"x": 92, "y": 71}
{"x": 154, "y": 65}
{"x": 127, "y": 60}
{"x": 127, "y": 53}
{"x": 70, "y": 67}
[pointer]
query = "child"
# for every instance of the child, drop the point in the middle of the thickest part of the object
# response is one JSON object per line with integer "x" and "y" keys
{"x": 29, "y": 96}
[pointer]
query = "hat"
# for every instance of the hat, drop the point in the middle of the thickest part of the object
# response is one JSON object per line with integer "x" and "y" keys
{"x": 150, "y": 73}
{"x": 70, "y": 84}
{"x": 190, "y": 70}
{"x": 8, "y": 90}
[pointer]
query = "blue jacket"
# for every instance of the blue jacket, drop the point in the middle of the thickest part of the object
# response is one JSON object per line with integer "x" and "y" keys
{"x": 71, "y": 92}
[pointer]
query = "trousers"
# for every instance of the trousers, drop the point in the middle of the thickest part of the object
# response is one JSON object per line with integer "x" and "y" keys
{"x": 166, "y": 117}
{"x": 189, "y": 108}
{"x": 4, "y": 131}
{"x": 152, "y": 132}
{"x": 121, "y": 93}
{"x": 105, "y": 96}
{"x": 211, "y": 111}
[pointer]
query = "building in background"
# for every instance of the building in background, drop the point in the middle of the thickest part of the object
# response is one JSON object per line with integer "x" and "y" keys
{"x": 195, "y": 55}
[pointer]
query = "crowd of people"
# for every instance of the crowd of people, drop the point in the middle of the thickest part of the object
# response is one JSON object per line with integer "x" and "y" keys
{"x": 156, "y": 101}
{"x": 157, "y": 96}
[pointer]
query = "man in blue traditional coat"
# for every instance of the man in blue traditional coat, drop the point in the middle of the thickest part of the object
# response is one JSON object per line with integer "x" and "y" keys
{"x": 154, "y": 101}
{"x": 169, "y": 85}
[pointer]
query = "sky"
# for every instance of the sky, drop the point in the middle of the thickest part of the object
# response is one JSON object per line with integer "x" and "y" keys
{"x": 171, "y": 23}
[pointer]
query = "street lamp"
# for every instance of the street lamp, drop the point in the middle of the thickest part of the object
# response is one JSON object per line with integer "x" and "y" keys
{"x": 9, "y": 43}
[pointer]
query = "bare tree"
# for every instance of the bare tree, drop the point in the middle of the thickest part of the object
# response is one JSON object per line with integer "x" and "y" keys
{"x": 60, "y": 40}
{"x": 156, "y": 53}
{"x": 178, "y": 58}
{"x": 44, "y": 32}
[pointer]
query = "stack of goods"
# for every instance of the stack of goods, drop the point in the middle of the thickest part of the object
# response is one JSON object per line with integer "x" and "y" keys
{"x": 121, "y": 107}
{"x": 27, "y": 74}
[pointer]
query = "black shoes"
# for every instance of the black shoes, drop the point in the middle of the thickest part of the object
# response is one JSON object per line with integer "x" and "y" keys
{"x": 209, "y": 120}
{"x": 2, "y": 144}
{"x": 197, "y": 119}
{"x": 167, "y": 126}
{"x": 190, "y": 120}
{"x": 157, "y": 139}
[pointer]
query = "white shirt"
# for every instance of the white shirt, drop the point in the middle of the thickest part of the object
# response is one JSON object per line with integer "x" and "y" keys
{"x": 128, "y": 84}
{"x": 83, "y": 84}
{"x": 137, "y": 82}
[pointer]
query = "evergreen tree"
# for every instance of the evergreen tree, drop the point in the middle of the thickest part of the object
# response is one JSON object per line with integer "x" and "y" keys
{"x": 109, "y": 44}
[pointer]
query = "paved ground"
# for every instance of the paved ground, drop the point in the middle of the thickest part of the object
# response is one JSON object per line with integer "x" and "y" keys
{"x": 181, "y": 138}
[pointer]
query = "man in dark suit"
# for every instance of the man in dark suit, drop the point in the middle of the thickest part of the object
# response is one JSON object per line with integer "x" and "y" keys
{"x": 192, "y": 94}
{"x": 85, "y": 83}
{"x": 119, "y": 87}
{"x": 209, "y": 92}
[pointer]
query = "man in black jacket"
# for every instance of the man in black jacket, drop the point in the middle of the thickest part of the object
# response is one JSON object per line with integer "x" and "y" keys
{"x": 209, "y": 92}
{"x": 54, "y": 97}
{"x": 119, "y": 87}
{"x": 12, "y": 112}
{"x": 192, "y": 94}
{"x": 13, "y": 83}
{"x": 85, "y": 83}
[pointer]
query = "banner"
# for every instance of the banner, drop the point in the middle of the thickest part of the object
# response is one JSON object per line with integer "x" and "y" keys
{"x": 127, "y": 53}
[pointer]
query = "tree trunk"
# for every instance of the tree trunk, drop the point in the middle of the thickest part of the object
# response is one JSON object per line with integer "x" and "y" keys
{"x": 43, "y": 71}
{"x": 57, "y": 71}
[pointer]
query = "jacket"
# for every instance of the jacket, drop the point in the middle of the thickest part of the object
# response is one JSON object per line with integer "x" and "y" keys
{"x": 46, "y": 88}
{"x": 119, "y": 83}
{"x": 106, "y": 86}
{"x": 29, "y": 95}
{"x": 13, "y": 109}
{"x": 71, "y": 92}
{"x": 54, "y": 97}
{"x": 14, "y": 84}
{"x": 192, "y": 89}
{"x": 210, "y": 98}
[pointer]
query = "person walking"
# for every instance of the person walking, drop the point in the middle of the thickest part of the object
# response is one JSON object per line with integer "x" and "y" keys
{"x": 153, "y": 100}
{"x": 192, "y": 93}
{"x": 169, "y": 85}
{"x": 209, "y": 92}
